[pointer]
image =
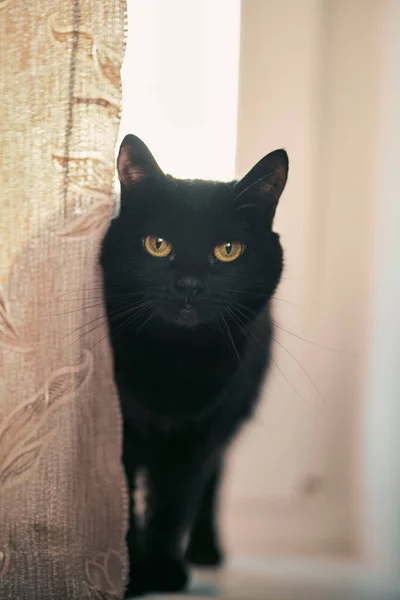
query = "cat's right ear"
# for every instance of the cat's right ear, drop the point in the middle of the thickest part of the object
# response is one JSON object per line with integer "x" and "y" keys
{"x": 135, "y": 162}
{"x": 262, "y": 187}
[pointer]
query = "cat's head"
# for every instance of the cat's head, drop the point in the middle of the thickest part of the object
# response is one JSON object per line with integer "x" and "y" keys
{"x": 192, "y": 252}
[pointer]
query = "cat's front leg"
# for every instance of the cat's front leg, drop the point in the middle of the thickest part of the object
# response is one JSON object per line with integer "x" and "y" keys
{"x": 131, "y": 465}
{"x": 174, "y": 486}
{"x": 204, "y": 548}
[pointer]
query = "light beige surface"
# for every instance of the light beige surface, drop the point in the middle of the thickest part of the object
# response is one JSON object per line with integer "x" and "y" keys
{"x": 252, "y": 579}
{"x": 62, "y": 491}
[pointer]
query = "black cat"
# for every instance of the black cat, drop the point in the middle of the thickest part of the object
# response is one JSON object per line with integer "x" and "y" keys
{"x": 189, "y": 271}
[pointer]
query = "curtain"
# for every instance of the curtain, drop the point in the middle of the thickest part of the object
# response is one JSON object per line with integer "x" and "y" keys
{"x": 63, "y": 498}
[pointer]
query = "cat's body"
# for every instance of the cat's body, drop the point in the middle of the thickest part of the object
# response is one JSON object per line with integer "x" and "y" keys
{"x": 191, "y": 333}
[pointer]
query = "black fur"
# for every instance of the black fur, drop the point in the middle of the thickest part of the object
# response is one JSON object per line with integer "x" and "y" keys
{"x": 189, "y": 357}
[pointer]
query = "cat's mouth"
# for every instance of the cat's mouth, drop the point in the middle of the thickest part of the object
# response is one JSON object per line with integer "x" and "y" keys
{"x": 188, "y": 316}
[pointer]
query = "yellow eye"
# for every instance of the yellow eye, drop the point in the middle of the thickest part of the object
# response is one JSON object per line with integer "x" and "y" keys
{"x": 228, "y": 251}
{"x": 157, "y": 246}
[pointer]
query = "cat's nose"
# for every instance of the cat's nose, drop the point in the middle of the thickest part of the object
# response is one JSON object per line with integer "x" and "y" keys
{"x": 189, "y": 287}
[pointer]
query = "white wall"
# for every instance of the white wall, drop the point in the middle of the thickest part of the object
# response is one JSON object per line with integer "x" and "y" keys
{"x": 180, "y": 78}
{"x": 382, "y": 416}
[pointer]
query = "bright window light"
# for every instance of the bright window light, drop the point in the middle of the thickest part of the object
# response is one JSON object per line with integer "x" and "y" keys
{"x": 180, "y": 84}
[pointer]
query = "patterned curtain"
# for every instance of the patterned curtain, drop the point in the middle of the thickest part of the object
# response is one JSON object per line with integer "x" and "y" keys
{"x": 63, "y": 499}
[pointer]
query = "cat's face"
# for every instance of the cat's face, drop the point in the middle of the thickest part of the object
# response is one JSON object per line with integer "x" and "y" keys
{"x": 193, "y": 252}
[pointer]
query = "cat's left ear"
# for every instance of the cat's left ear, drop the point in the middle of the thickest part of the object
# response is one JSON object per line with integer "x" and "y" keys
{"x": 135, "y": 162}
{"x": 264, "y": 184}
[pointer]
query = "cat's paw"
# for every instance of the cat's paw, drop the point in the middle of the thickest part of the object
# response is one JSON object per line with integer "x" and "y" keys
{"x": 160, "y": 574}
{"x": 166, "y": 574}
{"x": 136, "y": 584}
{"x": 204, "y": 554}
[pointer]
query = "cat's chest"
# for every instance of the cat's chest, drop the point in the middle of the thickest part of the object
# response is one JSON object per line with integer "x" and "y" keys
{"x": 184, "y": 371}
{"x": 174, "y": 382}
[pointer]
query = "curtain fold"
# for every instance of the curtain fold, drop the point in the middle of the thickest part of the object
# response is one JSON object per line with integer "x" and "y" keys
{"x": 63, "y": 498}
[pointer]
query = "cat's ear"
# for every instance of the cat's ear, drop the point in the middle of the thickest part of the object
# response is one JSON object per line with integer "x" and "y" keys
{"x": 264, "y": 184}
{"x": 135, "y": 162}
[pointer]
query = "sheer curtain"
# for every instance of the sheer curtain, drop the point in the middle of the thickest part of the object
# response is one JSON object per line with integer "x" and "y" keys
{"x": 63, "y": 500}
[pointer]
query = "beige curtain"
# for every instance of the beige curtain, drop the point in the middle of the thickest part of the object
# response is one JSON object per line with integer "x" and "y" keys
{"x": 63, "y": 500}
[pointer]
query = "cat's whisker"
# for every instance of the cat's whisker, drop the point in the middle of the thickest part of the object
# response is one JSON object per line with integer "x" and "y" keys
{"x": 301, "y": 367}
{"x": 232, "y": 342}
{"x": 119, "y": 315}
{"x": 245, "y": 326}
{"x": 279, "y": 326}
{"x": 90, "y": 298}
{"x": 102, "y": 316}
{"x": 68, "y": 312}
{"x": 100, "y": 321}
{"x": 82, "y": 308}
{"x": 276, "y": 324}
{"x": 252, "y": 313}
{"x": 296, "y": 360}
{"x": 288, "y": 382}
{"x": 81, "y": 299}
{"x": 113, "y": 314}
{"x": 130, "y": 319}
{"x": 260, "y": 295}
{"x": 234, "y": 312}
{"x": 288, "y": 302}
{"x": 135, "y": 308}
{"x": 98, "y": 342}
{"x": 100, "y": 324}
{"x": 90, "y": 330}
{"x": 276, "y": 365}
{"x": 156, "y": 310}
{"x": 299, "y": 337}
{"x": 76, "y": 290}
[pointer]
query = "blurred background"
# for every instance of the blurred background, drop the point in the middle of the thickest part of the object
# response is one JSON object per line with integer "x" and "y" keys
{"x": 212, "y": 86}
